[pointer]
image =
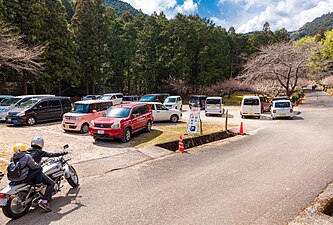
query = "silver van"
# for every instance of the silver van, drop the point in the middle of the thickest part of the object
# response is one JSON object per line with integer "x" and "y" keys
{"x": 214, "y": 106}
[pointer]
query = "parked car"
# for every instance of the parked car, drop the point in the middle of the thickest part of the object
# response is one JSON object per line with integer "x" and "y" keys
{"x": 265, "y": 104}
{"x": 250, "y": 106}
{"x": 83, "y": 113}
{"x": 214, "y": 105}
{"x": 154, "y": 98}
{"x": 162, "y": 113}
{"x": 173, "y": 102}
{"x": 121, "y": 121}
{"x": 39, "y": 110}
{"x": 282, "y": 108}
{"x": 116, "y": 97}
{"x": 197, "y": 101}
{"x": 2, "y": 97}
{"x": 130, "y": 98}
{"x": 10, "y": 103}
{"x": 280, "y": 98}
{"x": 90, "y": 97}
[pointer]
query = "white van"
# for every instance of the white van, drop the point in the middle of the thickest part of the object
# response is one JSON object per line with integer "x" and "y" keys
{"x": 117, "y": 98}
{"x": 173, "y": 102}
{"x": 250, "y": 106}
{"x": 214, "y": 105}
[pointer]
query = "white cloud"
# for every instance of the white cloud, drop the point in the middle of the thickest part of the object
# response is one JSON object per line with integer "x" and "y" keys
{"x": 189, "y": 7}
{"x": 169, "y": 7}
{"x": 290, "y": 14}
{"x": 219, "y": 22}
{"x": 151, "y": 6}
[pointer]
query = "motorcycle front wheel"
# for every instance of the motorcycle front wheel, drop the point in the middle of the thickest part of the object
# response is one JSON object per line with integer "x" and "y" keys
{"x": 73, "y": 180}
{"x": 17, "y": 207}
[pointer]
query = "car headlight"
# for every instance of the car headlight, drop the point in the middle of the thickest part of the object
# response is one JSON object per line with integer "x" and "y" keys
{"x": 116, "y": 125}
{"x": 92, "y": 123}
{"x": 21, "y": 114}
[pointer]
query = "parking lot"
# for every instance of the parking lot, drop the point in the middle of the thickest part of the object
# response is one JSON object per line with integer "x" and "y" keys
{"x": 83, "y": 147}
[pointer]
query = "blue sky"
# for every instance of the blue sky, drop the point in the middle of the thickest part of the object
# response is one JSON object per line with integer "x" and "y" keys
{"x": 244, "y": 15}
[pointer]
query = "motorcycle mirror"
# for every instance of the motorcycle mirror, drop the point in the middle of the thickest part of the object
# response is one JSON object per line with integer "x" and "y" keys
{"x": 66, "y": 146}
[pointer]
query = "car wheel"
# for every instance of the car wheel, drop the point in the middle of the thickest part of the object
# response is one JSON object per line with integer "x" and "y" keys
{"x": 148, "y": 126}
{"x": 174, "y": 118}
{"x": 84, "y": 128}
{"x": 127, "y": 135}
{"x": 243, "y": 117}
{"x": 31, "y": 120}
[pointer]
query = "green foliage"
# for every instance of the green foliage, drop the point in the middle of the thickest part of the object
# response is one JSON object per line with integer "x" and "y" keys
{"x": 120, "y": 7}
{"x": 323, "y": 23}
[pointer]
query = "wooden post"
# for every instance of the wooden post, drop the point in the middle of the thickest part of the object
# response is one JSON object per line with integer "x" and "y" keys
{"x": 226, "y": 120}
{"x": 200, "y": 126}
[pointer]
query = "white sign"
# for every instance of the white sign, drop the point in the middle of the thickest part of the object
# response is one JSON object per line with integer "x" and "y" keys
{"x": 193, "y": 123}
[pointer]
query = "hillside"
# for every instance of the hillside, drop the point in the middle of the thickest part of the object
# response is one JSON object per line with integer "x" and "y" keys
{"x": 325, "y": 22}
{"x": 120, "y": 7}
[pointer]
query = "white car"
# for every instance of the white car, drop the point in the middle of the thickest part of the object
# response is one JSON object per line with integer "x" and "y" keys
{"x": 173, "y": 102}
{"x": 282, "y": 108}
{"x": 162, "y": 113}
{"x": 214, "y": 105}
{"x": 250, "y": 106}
{"x": 117, "y": 98}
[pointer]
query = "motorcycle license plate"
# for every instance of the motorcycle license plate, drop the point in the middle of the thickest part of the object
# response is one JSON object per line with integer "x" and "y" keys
{"x": 3, "y": 202}
{"x": 100, "y": 131}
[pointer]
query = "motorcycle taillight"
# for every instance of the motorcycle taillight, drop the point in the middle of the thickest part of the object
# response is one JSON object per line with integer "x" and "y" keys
{"x": 2, "y": 195}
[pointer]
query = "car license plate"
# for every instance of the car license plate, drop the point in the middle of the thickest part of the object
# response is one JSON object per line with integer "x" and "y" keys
{"x": 251, "y": 114}
{"x": 100, "y": 131}
{"x": 66, "y": 126}
{"x": 9, "y": 120}
{"x": 282, "y": 114}
{"x": 213, "y": 107}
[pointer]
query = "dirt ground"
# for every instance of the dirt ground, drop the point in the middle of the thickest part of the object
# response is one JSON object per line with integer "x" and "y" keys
{"x": 83, "y": 147}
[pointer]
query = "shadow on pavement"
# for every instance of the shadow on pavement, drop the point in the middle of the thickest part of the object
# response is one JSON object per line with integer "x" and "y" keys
{"x": 39, "y": 216}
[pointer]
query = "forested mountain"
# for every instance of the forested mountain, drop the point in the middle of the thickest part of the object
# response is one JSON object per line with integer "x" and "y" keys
{"x": 323, "y": 23}
{"x": 120, "y": 7}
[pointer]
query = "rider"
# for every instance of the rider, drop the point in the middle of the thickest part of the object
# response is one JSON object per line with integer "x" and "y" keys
{"x": 29, "y": 169}
{"x": 37, "y": 153}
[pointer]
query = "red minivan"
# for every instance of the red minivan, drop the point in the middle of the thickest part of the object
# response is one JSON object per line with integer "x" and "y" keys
{"x": 121, "y": 121}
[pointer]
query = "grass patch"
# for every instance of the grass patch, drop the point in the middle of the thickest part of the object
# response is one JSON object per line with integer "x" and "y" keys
{"x": 235, "y": 99}
{"x": 169, "y": 132}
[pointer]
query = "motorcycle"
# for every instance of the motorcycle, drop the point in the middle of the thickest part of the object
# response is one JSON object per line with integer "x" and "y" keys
{"x": 17, "y": 198}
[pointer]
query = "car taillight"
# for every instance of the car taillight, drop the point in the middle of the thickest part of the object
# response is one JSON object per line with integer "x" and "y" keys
{"x": 274, "y": 111}
{"x": 2, "y": 195}
{"x": 291, "y": 110}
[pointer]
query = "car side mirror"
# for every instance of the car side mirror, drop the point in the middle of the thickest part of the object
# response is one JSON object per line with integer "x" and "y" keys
{"x": 66, "y": 146}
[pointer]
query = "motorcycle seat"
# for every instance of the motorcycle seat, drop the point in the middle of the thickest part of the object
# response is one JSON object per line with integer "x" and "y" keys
{"x": 13, "y": 183}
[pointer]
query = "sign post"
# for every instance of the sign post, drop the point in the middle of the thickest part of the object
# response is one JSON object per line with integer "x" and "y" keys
{"x": 193, "y": 124}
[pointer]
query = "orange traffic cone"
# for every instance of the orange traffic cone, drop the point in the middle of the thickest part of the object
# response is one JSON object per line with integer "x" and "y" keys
{"x": 300, "y": 101}
{"x": 241, "y": 131}
{"x": 295, "y": 103}
{"x": 181, "y": 144}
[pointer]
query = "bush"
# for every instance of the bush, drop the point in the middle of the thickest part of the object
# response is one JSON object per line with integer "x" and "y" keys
{"x": 297, "y": 95}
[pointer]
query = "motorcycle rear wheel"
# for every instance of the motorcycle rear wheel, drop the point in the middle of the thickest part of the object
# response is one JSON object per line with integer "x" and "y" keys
{"x": 15, "y": 207}
{"x": 73, "y": 180}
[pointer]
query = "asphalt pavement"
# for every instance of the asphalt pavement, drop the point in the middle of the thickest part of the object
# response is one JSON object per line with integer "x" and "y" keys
{"x": 266, "y": 177}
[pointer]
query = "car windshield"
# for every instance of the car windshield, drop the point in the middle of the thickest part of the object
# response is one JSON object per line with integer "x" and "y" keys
{"x": 251, "y": 101}
{"x": 117, "y": 112}
{"x": 282, "y": 104}
{"x": 147, "y": 98}
{"x": 28, "y": 104}
{"x": 213, "y": 101}
{"x": 81, "y": 108}
{"x": 170, "y": 100}
{"x": 11, "y": 101}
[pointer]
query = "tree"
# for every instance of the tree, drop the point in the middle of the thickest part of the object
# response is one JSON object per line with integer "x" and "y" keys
{"x": 266, "y": 27}
{"x": 283, "y": 63}
{"x": 14, "y": 55}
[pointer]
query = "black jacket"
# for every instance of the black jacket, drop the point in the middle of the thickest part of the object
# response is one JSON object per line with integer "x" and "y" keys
{"x": 37, "y": 153}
